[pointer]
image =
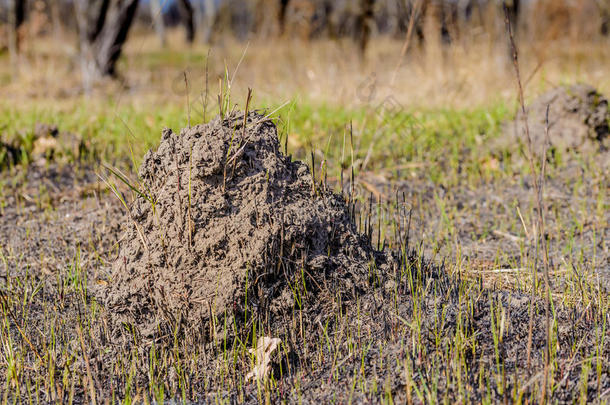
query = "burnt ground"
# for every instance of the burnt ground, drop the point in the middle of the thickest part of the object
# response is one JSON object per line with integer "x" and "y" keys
{"x": 484, "y": 219}
{"x": 55, "y": 216}
{"x": 442, "y": 326}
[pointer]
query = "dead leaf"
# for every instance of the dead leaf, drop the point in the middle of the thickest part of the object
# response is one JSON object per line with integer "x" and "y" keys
{"x": 265, "y": 346}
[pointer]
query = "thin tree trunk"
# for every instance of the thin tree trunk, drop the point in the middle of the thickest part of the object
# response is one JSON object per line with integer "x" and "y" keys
{"x": 365, "y": 24}
{"x": 19, "y": 14}
{"x": 55, "y": 16}
{"x": 186, "y": 15}
{"x": 329, "y": 7}
{"x": 205, "y": 16}
{"x": 16, "y": 18}
{"x": 109, "y": 43}
{"x": 604, "y": 10}
{"x": 12, "y": 33}
{"x": 103, "y": 28}
{"x": 95, "y": 12}
{"x": 282, "y": 15}
{"x": 157, "y": 17}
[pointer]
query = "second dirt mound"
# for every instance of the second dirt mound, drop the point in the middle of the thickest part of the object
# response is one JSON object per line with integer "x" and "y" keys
{"x": 226, "y": 223}
{"x": 578, "y": 119}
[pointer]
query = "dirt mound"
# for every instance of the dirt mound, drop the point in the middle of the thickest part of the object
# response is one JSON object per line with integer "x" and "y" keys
{"x": 578, "y": 119}
{"x": 226, "y": 225}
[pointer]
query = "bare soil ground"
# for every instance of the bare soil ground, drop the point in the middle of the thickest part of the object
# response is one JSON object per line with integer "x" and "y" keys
{"x": 481, "y": 224}
{"x": 353, "y": 328}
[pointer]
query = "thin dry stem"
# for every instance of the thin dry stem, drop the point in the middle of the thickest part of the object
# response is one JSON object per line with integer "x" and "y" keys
{"x": 87, "y": 365}
{"x": 405, "y": 46}
{"x": 541, "y": 235}
{"x": 21, "y": 331}
{"x": 188, "y": 103}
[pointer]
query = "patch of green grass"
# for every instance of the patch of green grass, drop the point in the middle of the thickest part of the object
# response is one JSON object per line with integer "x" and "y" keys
{"x": 452, "y": 140}
{"x": 451, "y": 144}
{"x": 110, "y": 129}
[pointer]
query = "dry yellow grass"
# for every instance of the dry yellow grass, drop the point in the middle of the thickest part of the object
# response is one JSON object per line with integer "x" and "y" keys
{"x": 473, "y": 72}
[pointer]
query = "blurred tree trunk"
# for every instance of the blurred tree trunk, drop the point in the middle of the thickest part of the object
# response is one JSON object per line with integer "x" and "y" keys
{"x": 206, "y": 22}
{"x": 19, "y": 20}
{"x": 282, "y": 15}
{"x": 157, "y": 16}
{"x": 55, "y": 17}
{"x": 103, "y": 28}
{"x": 604, "y": 9}
{"x": 365, "y": 24}
{"x": 186, "y": 15}
{"x": 16, "y": 18}
{"x": 93, "y": 14}
{"x": 329, "y": 18}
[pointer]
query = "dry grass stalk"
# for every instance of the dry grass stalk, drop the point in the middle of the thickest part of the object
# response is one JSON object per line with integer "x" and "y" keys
{"x": 541, "y": 236}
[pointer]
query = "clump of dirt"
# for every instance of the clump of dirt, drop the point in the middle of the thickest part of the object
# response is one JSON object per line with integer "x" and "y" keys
{"x": 44, "y": 143}
{"x": 226, "y": 224}
{"x": 49, "y": 143}
{"x": 578, "y": 120}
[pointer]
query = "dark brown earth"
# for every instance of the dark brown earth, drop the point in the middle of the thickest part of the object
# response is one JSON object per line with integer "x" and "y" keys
{"x": 227, "y": 224}
{"x": 578, "y": 120}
